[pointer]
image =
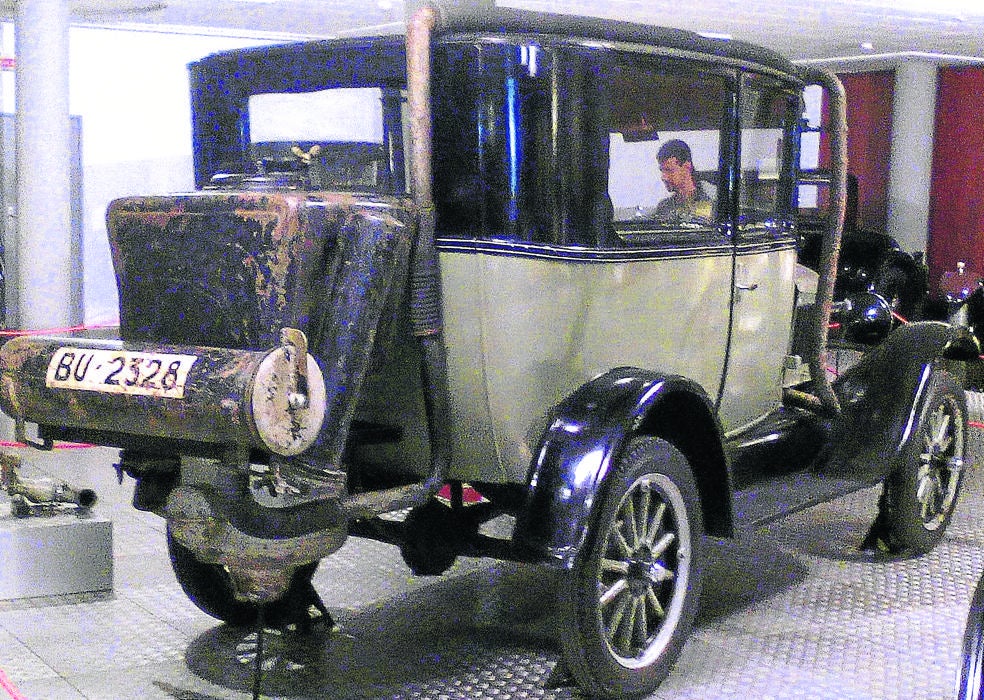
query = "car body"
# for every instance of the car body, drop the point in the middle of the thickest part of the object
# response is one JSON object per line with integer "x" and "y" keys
{"x": 424, "y": 267}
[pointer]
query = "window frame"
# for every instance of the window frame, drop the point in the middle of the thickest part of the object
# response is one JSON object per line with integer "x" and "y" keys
{"x": 781, "y": 222}
{"x": 648, "y": 232}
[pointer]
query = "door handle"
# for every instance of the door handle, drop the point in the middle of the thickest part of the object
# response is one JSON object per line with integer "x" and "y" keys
{"x": 750, "y": 287}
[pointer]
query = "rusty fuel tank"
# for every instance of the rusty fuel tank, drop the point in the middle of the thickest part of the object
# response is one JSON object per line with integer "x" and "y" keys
{"x": 272, "y": 401}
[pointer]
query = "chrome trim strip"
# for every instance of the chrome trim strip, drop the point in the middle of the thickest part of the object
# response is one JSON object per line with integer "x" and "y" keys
{"x": 767, "y": 246}
{"x": 554, "y": 40}
{"x": 579, "y": 254}
{"x": 584, "y": 254}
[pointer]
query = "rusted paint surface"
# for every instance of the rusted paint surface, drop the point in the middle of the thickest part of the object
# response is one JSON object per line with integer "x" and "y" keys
{"x": 214, "y": 273}
{"x": 215, "y": 407}
{"x": 229, "y": 269}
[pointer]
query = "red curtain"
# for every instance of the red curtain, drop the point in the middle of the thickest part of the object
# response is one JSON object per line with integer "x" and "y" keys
{"x": 869, "y": 141}
{"x": 956, "y": 213}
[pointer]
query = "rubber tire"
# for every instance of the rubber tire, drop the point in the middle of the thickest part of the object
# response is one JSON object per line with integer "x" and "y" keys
{"x": 432, "y": 539}
{"x": 972, "y": 670}
{"x": 597, "y": 668}
{"x": 209, "y": 587}
{"x": 905, "y": 527}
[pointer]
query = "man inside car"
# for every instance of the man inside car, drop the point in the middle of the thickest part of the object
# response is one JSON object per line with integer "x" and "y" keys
{"x": 688, "y": 201}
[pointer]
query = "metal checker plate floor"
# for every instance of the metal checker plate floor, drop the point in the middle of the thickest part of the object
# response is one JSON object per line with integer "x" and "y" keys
{"x": 794, "y": 611}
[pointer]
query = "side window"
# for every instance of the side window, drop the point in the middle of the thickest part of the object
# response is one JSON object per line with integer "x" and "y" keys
{"x": 768, "y": 116}
{"x": 664, "y": 147}
{"x": 493, "y": 141}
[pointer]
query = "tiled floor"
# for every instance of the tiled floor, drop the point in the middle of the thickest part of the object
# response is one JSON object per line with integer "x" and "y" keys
{"x": 796, "y": 611}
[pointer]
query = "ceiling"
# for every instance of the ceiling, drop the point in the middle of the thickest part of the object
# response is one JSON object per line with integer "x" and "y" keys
{"x": 819, "y": 30}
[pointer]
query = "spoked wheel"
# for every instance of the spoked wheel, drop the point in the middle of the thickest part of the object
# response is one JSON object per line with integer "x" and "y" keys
{"x": 972, "y": 673}
{"x": 629, "y": 602}
{"x": 920, "y": 496}
{"x": 209, "y": 587}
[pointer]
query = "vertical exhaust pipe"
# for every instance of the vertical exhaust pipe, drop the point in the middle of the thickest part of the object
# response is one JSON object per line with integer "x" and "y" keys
{"x": 426, "y": 315}
{"x": 824, "y": 398}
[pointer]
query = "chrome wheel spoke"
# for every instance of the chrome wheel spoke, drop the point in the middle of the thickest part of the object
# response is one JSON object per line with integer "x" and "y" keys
{"x": 930, "y": 495}
{"x": 642, "y": 623}
{"x": 656, "y": 524}
{"x": 627, "y": 625}
{"x": 940, "y": 461}
{"x": 941, "y": 437}
{"x": 643, "y": 523}
{"x": 617, "y": 617}
{"x": 629, "y": 520}
{"x": 613, "y": 592}
{"x": 615, "y": 566}
{"x": 642, "y": 570}
{"x": 654, "y": 603}
{"x": 621, "y": 545}
{"x": 660, "y": 548}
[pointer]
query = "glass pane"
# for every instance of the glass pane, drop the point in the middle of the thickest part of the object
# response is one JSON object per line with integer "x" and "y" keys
{"x": 342, "y": 114}
{"x": 493, "y": 136}
{"x": 664, "y": 141}
{"x": 767, "y": 117}
{"x": 336, "y": 136}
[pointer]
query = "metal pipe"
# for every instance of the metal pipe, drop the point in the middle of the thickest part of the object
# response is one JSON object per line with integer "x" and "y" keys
{"x": 830, "y": 245}
{"x": 426, "y": 315}
{"x": 41, "y": 492}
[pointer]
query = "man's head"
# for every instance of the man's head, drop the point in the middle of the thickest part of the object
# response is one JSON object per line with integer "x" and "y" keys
{"x": 676, "y": 167}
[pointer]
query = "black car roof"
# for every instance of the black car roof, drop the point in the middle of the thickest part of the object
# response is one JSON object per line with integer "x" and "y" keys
{"x": 507, "y": 21}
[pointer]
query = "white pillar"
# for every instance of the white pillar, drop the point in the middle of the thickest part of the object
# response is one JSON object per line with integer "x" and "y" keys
{"x": 911, "y": 159}
{"x": 43, "y": 245}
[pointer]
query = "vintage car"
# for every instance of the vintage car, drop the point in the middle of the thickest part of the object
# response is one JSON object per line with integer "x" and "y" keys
{"x": 878, "y": 285}
{"x": 427, "y": 266}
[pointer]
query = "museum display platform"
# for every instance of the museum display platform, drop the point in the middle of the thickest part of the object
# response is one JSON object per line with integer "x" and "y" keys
{"x": 57, "y": 554}
{"x": 794, "y": 611}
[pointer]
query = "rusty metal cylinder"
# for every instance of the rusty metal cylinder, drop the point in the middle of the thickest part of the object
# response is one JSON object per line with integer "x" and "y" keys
{"x": 265, "y": 400}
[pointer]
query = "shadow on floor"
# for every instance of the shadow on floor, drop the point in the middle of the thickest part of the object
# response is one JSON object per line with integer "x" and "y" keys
{"x": 459, "y": 632}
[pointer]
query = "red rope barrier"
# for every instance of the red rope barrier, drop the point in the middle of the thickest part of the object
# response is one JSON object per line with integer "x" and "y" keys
{"x": 12, "y": 332}
{"x": 10, "y": 687}
{"x": 975, "y": 424}
{"x": 58, "y": 446}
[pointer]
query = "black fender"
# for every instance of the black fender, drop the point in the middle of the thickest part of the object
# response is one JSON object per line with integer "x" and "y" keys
{"x": 583, "y": 441}
{"x": 881, "y": 397}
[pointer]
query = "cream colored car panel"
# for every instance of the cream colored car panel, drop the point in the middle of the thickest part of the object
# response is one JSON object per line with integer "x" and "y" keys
{"x": 546, "y": 326}
{"x": 764, "y": 285}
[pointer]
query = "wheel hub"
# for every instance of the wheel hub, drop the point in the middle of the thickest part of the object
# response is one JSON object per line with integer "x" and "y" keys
{"x": 645, "y": 569}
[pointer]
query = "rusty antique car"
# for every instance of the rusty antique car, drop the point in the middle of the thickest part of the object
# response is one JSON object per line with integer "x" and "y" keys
{"x": 440, "y": 262}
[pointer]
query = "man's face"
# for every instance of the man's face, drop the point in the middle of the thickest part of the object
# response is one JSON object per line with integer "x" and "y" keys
{"x": 677, "y": 176}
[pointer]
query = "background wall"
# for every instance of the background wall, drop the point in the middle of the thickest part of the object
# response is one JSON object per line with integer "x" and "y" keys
{"x": 130, "y": 89}
{"x": 869, "y": 142}
{"x": 956, "y": 220}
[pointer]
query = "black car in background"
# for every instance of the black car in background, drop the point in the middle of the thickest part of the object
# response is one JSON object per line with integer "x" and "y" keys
{"x": 878, "y": 285}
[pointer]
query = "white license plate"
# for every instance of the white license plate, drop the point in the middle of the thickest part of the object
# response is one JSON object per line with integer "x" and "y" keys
{"x": 120, "y": 371}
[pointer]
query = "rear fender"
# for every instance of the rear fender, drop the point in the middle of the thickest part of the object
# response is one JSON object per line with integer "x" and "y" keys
{"x": 881, "y": 396}
{"x": 586, "y": 435}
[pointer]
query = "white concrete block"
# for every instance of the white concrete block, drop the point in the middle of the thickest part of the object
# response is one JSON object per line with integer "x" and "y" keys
{"x": 56, "y": 555}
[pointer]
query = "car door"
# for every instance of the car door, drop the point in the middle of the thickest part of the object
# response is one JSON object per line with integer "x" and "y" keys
{"x": 765, "y": 252}
{"x": 669, "y": 120}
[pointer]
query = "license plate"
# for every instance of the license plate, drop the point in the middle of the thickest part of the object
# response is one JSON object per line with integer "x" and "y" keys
{"x": 120, "y": 372}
